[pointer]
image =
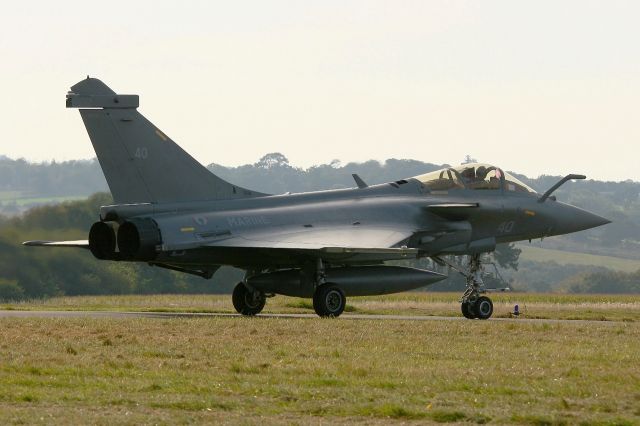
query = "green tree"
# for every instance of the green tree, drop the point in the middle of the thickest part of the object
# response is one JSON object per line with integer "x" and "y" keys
{"x": 10, "y": 291}
{"x": 272, "y": 160}
{"x": 507, "y": 255}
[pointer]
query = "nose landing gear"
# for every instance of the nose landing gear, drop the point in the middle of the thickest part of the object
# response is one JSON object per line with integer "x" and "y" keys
{"x": 474, "y": 304}
{"x": 482, "y": 308}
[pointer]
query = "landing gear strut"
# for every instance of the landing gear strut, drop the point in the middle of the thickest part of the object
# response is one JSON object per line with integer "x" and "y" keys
{"x": 246, "y": 301}
{"x": 473, "y": 304}
{"x": 328, "y": 299}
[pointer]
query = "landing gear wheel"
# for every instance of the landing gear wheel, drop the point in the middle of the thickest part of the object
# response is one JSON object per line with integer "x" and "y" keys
{"x": 467, "y": 310}
{"x": 329, "y": 301}
{"x": 247, "y": 302}
{"x": 483, "y": 308}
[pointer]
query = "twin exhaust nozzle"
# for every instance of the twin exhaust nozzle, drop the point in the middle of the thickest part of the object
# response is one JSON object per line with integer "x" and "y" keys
{"x": 137, "y": 239}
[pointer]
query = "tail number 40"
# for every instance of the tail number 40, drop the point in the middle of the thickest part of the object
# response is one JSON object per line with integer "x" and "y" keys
{"x": 506, "y": 227}
{"x": 141, "y": 153}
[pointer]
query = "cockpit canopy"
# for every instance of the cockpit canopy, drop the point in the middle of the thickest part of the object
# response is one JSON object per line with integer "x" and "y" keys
{"x": 475, "y": 176}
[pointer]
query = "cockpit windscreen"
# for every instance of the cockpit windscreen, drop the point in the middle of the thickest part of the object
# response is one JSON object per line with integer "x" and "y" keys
{"x": 474, "y": 176}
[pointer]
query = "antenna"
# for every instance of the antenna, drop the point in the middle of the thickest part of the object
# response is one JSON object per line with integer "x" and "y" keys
{"x": 468, "y": 159}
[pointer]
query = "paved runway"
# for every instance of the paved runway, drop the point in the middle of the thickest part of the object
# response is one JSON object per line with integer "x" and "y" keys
{"x": 167, "y": 315}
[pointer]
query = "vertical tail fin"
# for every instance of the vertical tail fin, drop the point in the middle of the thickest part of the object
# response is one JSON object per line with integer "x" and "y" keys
{"x": 140, "y": 163}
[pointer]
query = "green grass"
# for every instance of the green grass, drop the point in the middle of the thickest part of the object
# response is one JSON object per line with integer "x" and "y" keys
{"x": 10, "y": 195}
{"x": 300, "y": 371}
{"x": 532, "y": 305}
{"x": 24, "y": 198}
{"x": 48, "y": 200}
{"x": 537, "y": 254}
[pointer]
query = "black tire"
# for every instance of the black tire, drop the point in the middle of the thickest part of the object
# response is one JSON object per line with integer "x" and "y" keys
{"x": 483, "y": 308}
{"x": 467, "y": 312}
{"x": 329, "y": 301}
{"x": 246, "y": 302}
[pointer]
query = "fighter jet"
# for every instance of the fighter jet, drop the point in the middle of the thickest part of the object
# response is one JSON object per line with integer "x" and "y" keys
{"x": 171, "y": 212}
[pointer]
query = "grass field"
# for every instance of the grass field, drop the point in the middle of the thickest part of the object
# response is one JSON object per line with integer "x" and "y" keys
{"x": 10, "y": 195}
{"x": 23, "y": 198}
{"x": 320, "y": 371}
{"x": 313, "y": 371}
{"x": 44, "y": 200}
{"x": 532, "y": 305}
{"x": 538, "y": 254}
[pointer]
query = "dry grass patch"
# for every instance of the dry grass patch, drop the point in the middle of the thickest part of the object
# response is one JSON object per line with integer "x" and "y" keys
{"x": 315, "y": 370}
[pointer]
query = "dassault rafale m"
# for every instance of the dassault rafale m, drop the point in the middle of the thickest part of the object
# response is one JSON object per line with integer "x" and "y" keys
{"x": 169, "y": 211}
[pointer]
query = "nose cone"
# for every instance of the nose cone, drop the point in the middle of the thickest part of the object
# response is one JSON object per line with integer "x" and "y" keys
{"x": 573, "y": 219}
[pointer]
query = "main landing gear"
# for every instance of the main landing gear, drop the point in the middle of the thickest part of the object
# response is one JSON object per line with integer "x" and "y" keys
{"x": 246, "y": 301}
{"x": 329, "y": 300}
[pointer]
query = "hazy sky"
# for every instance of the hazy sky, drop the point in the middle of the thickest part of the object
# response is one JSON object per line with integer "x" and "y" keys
{"x": 539, "y": 87}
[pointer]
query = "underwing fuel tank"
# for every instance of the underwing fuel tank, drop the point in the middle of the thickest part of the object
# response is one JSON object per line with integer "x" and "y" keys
{"x": 353, "y": 280}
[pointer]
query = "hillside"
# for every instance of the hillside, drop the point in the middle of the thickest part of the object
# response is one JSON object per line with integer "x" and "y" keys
{"x": 24, "y": 185}
{"x": 538, "y": 254}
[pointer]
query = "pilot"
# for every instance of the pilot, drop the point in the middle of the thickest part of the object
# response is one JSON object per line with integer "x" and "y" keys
{"x": 477, "y": 179}
{"x": 468, "y": 174}
{"x": 481, "y": 173}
